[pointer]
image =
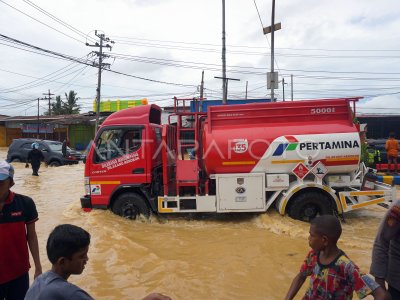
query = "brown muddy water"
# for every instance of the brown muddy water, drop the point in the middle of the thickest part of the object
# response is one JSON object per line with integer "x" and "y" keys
{"x": 245, "y": 256}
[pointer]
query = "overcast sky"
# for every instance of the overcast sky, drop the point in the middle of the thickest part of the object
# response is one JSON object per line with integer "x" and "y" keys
{"x": 339, "y": 48}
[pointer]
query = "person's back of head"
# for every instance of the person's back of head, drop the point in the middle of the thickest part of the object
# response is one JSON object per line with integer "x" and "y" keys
{"x": 329, "y": 226}
{"x": 65, "y": 240}
{"x": 392, "y": 135}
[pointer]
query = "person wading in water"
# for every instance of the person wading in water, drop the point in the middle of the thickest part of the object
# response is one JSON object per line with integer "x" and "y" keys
{"x": 35, "y": 156}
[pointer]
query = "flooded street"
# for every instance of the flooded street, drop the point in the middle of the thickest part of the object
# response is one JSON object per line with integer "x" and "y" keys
{"x": 246, "y": 256}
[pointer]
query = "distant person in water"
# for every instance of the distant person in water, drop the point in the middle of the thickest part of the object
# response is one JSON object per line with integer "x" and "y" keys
{"x": 332, "y": 274}
{"x": 35, "y": 156}
{"x": 392, "y": 149}
{"x": 64, "y": 148}
{"x": 67, "y": 249}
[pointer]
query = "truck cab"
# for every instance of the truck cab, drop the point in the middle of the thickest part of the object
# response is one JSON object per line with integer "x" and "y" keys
{"x": 121, "y": 160}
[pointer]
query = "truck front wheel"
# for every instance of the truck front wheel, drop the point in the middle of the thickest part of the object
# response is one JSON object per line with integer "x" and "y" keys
{"x": 307, "y": 206}
{"x": 130, "y": 206}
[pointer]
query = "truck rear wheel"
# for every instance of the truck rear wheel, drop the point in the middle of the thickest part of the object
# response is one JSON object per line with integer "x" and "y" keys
{"x": 307, "y": 206}
{"x": 130, "y": 206}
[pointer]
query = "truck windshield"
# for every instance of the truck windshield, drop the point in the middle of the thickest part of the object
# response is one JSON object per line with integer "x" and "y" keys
{"x": 113, "y": 143}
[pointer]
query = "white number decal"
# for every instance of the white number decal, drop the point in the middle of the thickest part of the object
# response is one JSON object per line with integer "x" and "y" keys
{"x": 325, "y": 110}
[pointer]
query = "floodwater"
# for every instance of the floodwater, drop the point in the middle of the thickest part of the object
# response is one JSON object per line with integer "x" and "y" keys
{"x": 241, "y": 256}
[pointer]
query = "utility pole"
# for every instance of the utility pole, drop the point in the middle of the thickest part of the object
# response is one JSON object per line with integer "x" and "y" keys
{"x": 101, "y": 66}
{"x": 38, "y": 121}
{"x": 49, "y": 98}
{"x": 283, "y": 88}
{"x": 272, "y": 48}
{"x": 38, "y": 133}
{"x": 201, "y": 90}
{"x": 246, "y": 88}
{"x": 272, "y": 78}
{"x": 291, "y": 85}
{"x": 202, "y": 86}
{"x": 224, "y": 79}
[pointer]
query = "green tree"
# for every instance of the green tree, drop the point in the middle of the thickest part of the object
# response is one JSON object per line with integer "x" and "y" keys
{"x": 71, "y": 107}
{"x": 57, "y": 107}
{"x": 67, "y": 107}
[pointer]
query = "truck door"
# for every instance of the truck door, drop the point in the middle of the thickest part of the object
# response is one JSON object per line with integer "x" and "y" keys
{"x": 118, "y": 158}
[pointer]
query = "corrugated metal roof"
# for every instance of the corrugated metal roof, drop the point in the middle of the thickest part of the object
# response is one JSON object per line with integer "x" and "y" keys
{"x": 378, "y": 115}
{"x": 59, "y": 119}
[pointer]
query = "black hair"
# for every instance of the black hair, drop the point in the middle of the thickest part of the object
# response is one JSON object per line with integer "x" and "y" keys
{"x": 329, "y": 226}
{"x": 65, "y": 240}
{"x": 392, "y": 135}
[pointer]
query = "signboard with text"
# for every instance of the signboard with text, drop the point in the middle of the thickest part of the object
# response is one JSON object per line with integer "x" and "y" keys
{"x": 33, "y": 128}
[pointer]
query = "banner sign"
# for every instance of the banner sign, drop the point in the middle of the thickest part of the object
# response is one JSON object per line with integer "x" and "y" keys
{"x": 33, "y": 128}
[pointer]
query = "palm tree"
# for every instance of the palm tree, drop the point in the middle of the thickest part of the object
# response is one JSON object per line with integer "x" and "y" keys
{"x": 57, "y": 107}
{"x": 71, "y": 107}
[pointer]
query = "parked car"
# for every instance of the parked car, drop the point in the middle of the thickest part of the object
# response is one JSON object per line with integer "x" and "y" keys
{"x": 19, "y": 149}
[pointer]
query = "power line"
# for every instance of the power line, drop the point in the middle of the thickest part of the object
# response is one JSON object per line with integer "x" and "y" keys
{"x": 40, "y": 22}
{"x": 281, "y": 54}
{"x": 40, "y": 81}
{"x": 77, "y": 31}
{"x": 69, "y": 83}
{"x": 68, "y": 57}
{"x": 262, "y": 26}
{"x": 56, "y": 54}
{"x": 121, "y": 39}
{"x": 181, "y": 63}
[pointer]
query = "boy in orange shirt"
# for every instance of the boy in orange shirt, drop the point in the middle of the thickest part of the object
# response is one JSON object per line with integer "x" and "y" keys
{"x": 392, "y": 149}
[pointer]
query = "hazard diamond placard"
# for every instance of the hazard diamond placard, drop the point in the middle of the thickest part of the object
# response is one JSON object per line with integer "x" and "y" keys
{"x": 319, "y": 170}
{"x": 300, "y": 171}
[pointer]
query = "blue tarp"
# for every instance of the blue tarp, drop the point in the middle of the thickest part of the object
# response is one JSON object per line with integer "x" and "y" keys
{"x": 206, "y": 103}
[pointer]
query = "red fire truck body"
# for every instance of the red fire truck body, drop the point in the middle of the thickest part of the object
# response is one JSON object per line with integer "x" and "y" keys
{"x": 302, "y": 156}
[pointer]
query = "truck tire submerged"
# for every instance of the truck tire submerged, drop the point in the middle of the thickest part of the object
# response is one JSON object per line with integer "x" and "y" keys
{"x": 130, "y": 206}
{"x": 308, "y": 205}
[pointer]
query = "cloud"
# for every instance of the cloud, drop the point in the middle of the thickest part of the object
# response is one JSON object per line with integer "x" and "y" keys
{"x": 389, "y": 104}
{"x": 325, "y": 45}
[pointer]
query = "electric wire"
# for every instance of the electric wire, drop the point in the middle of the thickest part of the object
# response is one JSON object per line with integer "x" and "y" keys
{"x": 77, "y": 31}
{"x": 67, "y": 35}
{"x": 262, "y": 26}
{"x": 121, "y": 38}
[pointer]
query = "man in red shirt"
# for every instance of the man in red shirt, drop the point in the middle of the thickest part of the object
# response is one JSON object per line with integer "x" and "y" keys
{"x": 392, "y": 148}
{"x": 17, "y": 230}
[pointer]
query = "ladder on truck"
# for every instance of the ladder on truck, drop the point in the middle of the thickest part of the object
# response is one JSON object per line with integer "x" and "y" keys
{"x": 187, "y": 139}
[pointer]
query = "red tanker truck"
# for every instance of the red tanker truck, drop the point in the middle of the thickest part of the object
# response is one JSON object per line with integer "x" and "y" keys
{"x": 302, "y": 157}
